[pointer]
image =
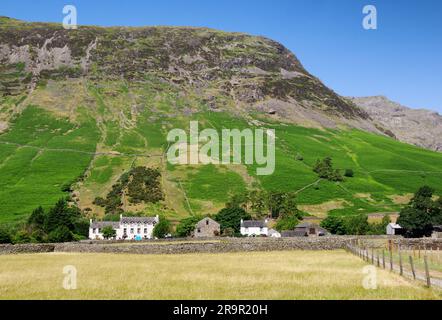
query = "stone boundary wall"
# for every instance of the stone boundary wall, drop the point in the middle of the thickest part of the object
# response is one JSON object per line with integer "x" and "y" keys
{"x": 214, "y": 245}
{"x": 26, "y": 248}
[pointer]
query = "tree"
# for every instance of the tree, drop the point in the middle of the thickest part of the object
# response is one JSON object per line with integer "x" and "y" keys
{"x": 60, "y": 234}
{"x": 187, "y": 226}
{"x": 231, "y": 218}
{"x": 287, "y": 222}
{"x": 417, "y": 223}
{"x": 324, "y": 169}
{"x": 334, "y": 225}
{"x": 418, "y": 217}
{"x": 357, "y": 225}
{"x": 37, "y": 218}
{"x": 258, "y": 202}
{"x": 238, "y": 201}
{"x": 162, "y": 228}
{"x": 61, "y": 215}
{"x": 109, "y": 232}
{"x": 281, "y": 203}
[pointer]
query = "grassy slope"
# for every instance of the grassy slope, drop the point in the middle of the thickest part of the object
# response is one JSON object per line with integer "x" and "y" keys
{"x": 383, "y": 167}
{"x": 34, "y": 170}
{"x": 258, "y": 275}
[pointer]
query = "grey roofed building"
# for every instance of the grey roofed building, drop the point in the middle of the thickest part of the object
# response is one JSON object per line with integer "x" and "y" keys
{"x": 305, "y": 229}
{"x": 293, "y": 233}
{"x": 253, "y": 224}
{"x": 102, "y": 224}
{"x": 138, "y": 220}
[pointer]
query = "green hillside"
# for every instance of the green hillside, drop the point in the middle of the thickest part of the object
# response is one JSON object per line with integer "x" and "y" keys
{"x": 79, "y": 109}
{"x": 44, "y": 152}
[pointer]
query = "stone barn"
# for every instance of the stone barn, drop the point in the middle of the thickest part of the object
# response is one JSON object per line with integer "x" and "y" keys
{"x": 207, "y": 228}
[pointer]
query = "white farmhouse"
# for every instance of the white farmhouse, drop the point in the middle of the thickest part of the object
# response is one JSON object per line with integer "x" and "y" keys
{"x": 128, "y": 228}
{"x": 393, "y": 229}
{"x": 254, "y": 228}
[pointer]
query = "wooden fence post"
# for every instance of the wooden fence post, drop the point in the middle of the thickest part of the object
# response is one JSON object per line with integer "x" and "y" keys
{"x": 372, "y": 256}
{"x": 391, "y": 260}
{"x": 383, "y": 258}
{"x": 427, "y": 272}
{"x": 412, "y": 267}
{"x": 377, "y": 258}
{"x": 401, "y": 269}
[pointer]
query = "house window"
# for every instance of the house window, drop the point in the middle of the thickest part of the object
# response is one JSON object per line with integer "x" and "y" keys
{"x": 125, "y": 230}
{"x": 131, "y": 230}
{"x": 198, "y": 230}
{"x": 312, "y": 231}
{"x": 139, "y": 230}
{"x": 207, "y": 222}
{"x": 99, "y": 230}
{"x": 145, "y": 230}
{"x": 94, "y": 230}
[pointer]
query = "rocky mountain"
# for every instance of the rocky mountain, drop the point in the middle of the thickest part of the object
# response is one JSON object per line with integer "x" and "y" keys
{"x": 420, "y": 127}
{"x": 83, "y": 113}
{"x": 256, "y": 73}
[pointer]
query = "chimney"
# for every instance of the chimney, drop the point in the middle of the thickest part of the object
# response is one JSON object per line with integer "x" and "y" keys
{"x": 121, "y": 217}
{"x": 157, "y": 217}
{"x": 90, "y": 221}
{"x": 242, "y": 221}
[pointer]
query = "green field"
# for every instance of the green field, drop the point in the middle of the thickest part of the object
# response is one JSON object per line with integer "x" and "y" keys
{"x": 259, "y": 275}
{"x": 50, "y": 147}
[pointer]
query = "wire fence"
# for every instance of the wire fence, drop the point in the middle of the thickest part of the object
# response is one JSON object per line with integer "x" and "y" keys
{"x": 417, "y": 261}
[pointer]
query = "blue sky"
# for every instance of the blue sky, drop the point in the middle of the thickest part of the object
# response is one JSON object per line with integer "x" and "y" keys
{"x": 402, "y": 59}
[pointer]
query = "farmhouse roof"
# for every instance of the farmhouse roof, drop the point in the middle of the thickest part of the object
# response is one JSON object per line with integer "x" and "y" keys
{"x": 102, "y": 224}
{"x": 253, "y": 224}
{"x": 138, "y": 220}
{"x": 293, "y": 233}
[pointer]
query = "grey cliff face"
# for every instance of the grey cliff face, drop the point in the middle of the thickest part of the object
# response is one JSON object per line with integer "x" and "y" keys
{"x": 420, "y": 127}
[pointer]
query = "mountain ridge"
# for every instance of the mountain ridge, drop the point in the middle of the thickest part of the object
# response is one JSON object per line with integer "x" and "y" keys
{"x": 80, "y": 108}
{"x": 421, "y": 127}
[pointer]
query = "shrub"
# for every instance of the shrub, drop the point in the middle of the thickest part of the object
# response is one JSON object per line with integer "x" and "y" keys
{"x": 60, "y": 234}
{"x": 109, "y": 232}
{"x": 22, "y": 236}
{"x": 231, "y": 218}
{"x": 324, "y": 169}
{"x": 187, "y": 226}
{"x": 228, "y": 232}
{"x": 335, "y": 225}
{"x": 287, "y": 222}
{"x": 5, "y": 236}
{"x": 349, "y": 173}
{"x": 162, "y": 228}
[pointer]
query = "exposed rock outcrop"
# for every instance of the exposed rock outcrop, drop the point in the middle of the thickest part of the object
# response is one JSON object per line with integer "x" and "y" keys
{"x": 420, "y": 127}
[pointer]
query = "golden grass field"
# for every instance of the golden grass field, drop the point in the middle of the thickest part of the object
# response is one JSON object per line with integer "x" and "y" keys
{"x": 254, "y": 275}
